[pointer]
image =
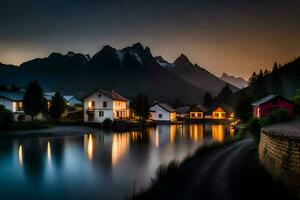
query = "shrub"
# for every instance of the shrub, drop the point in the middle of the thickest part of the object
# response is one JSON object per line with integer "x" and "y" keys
{"x": 256, "y": 124}
{"x": 5, "y": 117}
{"x": 280, "y": 115}
{"x": 254, "y": 127}
{"x": 107, "y": 123}
{"x": 166, "y": 172}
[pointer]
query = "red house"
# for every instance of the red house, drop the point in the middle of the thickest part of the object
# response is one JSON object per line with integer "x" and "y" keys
{"x": 264, "y": 107}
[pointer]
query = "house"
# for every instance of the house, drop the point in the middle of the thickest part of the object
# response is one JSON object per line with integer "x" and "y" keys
{"x": 197, "y": 112}
{"x": 102, "y": 104}
{"x": 162, "y": 112}
{"x": 13, "y": 101}
{"x": 221, "y": 112}
{"x": 264, "y": 107}
{"x": 182, "y": 112}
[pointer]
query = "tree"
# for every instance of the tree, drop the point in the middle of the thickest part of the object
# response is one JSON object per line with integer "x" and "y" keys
{"x": 207, "y": 99}
{"x": 57, "y": 106}
{"x": 225, "y": 94}
{"x": 266, "y": 72}
{"x": 253, "y": 78}
{"x": 5, "y": 117}
{"x": 243, "y": 108}
{"x": 275, "y": 67}
{"x": 177, "y": 103}
{"x": 140, "y": 105}
{"x": 33, "y": 99}
{"x": 3, "y": 88}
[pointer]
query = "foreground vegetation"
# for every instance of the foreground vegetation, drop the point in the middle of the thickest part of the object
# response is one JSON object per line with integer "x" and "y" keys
{"x": 256, "y": 124}
{"x": 167, "y": 174}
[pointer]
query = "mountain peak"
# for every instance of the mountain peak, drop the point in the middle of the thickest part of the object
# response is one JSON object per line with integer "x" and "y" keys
{"x": 138, "y": 46}
{"x": 182, "y": 60}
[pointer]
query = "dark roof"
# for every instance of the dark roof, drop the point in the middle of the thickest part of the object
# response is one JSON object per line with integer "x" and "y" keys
{"x": 13, "y": 96}
{"x": 165, "y": 107}
{"x": 264, "y": 100}
{"x": 112, "y": 94}
{"x": 183, "y": 109}
{"x": 200, "y": 107}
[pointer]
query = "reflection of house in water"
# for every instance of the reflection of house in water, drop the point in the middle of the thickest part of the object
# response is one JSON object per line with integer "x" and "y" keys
{"x": 120, "y": 145}
{"x": 218, "y": 133}
{"x": 196, "y": 132}
{"x": 172, "y": 133}
{"x": 89, "y": 146}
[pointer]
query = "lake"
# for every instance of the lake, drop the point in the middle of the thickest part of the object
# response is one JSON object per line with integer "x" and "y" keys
{"x": 96, "y": 164}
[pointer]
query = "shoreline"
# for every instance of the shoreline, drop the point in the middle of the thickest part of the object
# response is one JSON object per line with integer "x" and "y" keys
{"x": 218, "y": 171}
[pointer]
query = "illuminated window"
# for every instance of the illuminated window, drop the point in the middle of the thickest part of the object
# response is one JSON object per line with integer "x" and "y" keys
{"x": 91, "y": 104}
{"x": 20, "y": 105}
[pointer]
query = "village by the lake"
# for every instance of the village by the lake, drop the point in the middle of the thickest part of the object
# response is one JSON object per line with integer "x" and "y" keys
{"x": 149, "y": 100}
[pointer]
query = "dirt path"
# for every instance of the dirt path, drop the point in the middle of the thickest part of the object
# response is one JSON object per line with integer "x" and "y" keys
{"x": 228, "y": 173}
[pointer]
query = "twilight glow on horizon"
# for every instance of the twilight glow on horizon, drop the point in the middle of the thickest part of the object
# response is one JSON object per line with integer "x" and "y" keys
{"x": 230, "y": 36}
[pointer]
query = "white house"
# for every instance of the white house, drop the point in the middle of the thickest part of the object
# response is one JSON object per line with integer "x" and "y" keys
{"x": 162, "y": 112}
{"x": 102, "y": 104}
{"x": 13, "y": 101}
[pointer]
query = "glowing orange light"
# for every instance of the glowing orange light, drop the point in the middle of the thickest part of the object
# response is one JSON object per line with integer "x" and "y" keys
{"x": 21, "y": 155}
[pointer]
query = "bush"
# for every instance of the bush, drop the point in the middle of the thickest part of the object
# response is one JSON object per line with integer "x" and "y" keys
{"x": 5, "y": 117}
{"x": 166, "y": 172}
{"x": 254, "y": 126}
{"x": 280, "y": 115}
{"x": 107, "y": 123}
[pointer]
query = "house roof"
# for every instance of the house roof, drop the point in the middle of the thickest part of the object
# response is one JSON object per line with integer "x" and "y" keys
{"x": 49, "y": 95}
{"x": 200, "y": 107}
{"x": 264, "y": 100}
{"x": 111, "y": 94}
{"x": 183, "y": 109}
{"x": 13, "y": 96}
{"x": 269, "y": 98}
{"x": 225, "y": 107}
{"x": 165, "y": 107}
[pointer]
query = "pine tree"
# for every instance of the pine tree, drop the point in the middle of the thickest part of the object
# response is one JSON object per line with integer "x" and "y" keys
{"x": 33, "y": 99}
{"x": 275, "y": 67}
{"x": 207, "y": 99}
{"x": 57, "y": 106}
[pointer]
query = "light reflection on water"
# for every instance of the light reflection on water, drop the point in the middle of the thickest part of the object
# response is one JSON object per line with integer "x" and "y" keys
{"x": 96, "y": 164}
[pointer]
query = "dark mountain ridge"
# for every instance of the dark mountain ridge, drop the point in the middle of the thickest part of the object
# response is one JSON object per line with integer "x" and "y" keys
{"x": 129, "y": 70}
{"x": 236, "y": 81}
{"x": 196, "y": 75}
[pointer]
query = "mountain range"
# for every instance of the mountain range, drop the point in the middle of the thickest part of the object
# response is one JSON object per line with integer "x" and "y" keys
{"x": 236, "y": 81}
{"x": 129, "y": 70}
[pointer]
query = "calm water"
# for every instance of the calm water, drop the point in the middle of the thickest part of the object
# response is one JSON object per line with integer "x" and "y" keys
{"x": 97, "y": 165}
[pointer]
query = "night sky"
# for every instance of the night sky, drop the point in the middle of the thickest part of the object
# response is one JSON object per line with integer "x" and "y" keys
{"x": 233, "y": 36}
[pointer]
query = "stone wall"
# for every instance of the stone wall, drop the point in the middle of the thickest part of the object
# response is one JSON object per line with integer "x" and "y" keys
{"x": 280, "y": 155}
